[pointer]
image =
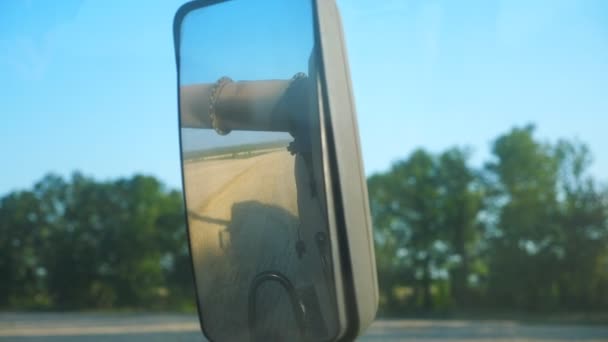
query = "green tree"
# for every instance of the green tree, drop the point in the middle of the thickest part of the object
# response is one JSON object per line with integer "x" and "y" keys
{"x": 407, "y": 215}
{"x": 583, "y": 278}
{"x": 20, "y": 264}
{"x": 525, "y": 240}
{"x": 461, "y": 201}
{"x": 425, "y": 211}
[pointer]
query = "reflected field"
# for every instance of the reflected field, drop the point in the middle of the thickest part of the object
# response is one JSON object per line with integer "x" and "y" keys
{"x": 244, "y": 220}
{"x": 241, "y": 212}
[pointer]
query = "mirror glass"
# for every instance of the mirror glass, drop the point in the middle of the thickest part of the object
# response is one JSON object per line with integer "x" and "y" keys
{"x": 253, "y": 172}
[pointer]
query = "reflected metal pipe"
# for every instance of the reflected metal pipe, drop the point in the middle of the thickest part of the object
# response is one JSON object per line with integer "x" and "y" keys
{"x": 299, "y": 310}
{"x": 267, "y": 105}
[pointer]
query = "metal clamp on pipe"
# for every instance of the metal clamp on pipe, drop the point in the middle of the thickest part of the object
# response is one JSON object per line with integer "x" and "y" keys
{"x": 268, "y": 105}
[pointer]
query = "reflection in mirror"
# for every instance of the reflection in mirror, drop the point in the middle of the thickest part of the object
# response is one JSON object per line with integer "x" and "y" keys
{"x": 253, "y": 172}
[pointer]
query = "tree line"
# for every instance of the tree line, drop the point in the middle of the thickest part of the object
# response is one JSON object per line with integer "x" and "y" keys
{"x": 83, "y": 244}
{"x": 528, "y": 230}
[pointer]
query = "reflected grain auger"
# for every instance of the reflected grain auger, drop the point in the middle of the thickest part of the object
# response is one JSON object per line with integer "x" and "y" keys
{"x": 226, "y": 105}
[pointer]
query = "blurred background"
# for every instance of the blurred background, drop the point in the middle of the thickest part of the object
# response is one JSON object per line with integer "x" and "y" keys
{"x": 483, "y": 130}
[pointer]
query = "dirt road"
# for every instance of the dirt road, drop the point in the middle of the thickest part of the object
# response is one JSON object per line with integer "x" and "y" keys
{"x": 88, "y": 327}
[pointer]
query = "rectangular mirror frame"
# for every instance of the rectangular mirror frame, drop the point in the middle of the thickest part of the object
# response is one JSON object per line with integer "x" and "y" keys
{"x": 347, "y": 198}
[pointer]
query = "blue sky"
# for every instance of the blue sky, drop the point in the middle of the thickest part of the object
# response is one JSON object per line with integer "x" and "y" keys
{"x": 90, "y": 85}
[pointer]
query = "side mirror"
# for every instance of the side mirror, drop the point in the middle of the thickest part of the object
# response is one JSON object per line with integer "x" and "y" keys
{"x": 276, "y": 199}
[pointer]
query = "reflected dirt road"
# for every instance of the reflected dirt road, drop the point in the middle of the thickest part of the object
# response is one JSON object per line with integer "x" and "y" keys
{"x": 87, "y": 327}
{"x": 240, "y": 219}
{"x": 244, "y": 220}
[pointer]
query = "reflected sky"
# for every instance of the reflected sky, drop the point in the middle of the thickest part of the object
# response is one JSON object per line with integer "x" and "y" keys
{"x": 237, "y": 40}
